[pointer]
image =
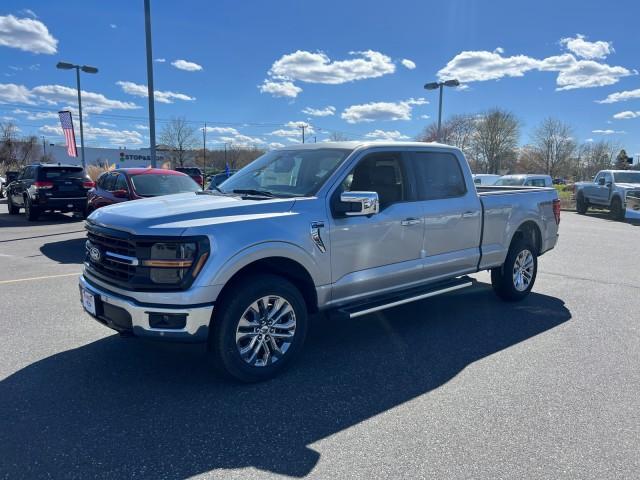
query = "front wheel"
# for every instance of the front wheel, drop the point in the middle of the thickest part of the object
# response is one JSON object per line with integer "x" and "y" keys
{"x": 617, "y": 212}
{"x": 581, "y": 204}
{"x": 515, "y": 278}
{"x": 258, "y": 328}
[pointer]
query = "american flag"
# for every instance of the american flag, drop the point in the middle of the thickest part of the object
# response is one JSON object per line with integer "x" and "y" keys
{"x": 67, "y": 127}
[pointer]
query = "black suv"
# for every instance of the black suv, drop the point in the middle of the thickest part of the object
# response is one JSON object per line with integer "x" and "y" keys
{"x": 44, "y": 187}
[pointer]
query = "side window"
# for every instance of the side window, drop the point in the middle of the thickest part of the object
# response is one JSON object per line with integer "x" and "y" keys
{"x": 27, "y": 174}
{"x": 535, "y": 182}
{"x": 608, "y": 178}
{"x": 382, "y": 173}
{"x": 109, "y": 182}
{"x": 438, "y": 175}
{"x": 597, "y": 179}
{"x": 121, "y": 183}
{"x": 101, "y": 178}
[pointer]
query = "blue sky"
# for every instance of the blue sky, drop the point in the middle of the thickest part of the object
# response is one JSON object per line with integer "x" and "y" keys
{"x": 254, "y": 69}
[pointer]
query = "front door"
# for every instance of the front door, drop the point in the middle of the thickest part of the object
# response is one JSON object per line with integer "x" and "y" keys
{"x": 381, "y": 252}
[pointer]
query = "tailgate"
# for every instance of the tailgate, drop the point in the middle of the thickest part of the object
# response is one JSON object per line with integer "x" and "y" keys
{"x": 67, "y": 182}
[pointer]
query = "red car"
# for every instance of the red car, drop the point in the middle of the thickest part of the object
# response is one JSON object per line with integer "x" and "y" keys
{"x": 194, "y": 173}
{"x": 125, "y": 184}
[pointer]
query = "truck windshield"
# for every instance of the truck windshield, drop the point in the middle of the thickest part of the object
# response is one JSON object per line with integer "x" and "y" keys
{"x": 510, "y": 181}
{"x": 627, "y": 177}
{"x": 287, "y": 173}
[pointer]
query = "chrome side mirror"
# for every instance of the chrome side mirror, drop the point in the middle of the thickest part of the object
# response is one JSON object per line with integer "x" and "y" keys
{"x": 360, "y": 203}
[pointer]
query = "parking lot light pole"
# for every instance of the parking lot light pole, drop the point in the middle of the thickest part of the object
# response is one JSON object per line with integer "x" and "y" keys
{"x": 86, "y": 69}
{"x": 441, "y": 85}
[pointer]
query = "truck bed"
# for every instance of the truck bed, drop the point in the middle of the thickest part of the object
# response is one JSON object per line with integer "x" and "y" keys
{"x": 505, "y": 209}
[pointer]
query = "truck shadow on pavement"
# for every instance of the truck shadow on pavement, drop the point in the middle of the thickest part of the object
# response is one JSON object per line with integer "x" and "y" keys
{"x": 65, "y": 251}
{"x": 123, "y": 408}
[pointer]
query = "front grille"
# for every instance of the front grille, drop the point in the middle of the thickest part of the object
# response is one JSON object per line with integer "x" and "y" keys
{"x": 109, "y": 266}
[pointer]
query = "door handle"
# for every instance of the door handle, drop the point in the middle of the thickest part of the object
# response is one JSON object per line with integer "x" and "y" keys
{"x": 468, "y": 214}
{"x": 410, "y": 221}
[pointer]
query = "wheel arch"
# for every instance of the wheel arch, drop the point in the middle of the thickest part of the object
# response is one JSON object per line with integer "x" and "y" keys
{"x": 529, "y": 230}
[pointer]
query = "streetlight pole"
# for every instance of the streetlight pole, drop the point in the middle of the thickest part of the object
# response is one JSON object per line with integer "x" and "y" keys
{"x": 152, "y": 113}
{"x": 44, "y": 147}
{"x": 440, "y": 86}
{"x": 86, "y": 69}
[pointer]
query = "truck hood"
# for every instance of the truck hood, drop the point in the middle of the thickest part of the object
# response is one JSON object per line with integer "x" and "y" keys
{"x": 173, "y": 214}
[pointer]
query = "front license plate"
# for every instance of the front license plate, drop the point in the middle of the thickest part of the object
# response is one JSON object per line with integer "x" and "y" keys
{"x": 88, "y": 302}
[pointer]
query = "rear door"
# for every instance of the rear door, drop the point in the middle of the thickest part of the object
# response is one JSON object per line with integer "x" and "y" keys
{"x": 19, "y": 187}
{"x": 451, "y": 213}
{"x": 67, "y": 182}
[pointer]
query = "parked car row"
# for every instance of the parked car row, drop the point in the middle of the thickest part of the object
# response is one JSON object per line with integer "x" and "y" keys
{"x": 525, "y": 180}
{"x": 44, "y": 188}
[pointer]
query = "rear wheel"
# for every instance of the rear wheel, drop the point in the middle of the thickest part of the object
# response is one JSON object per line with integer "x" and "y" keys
{"x": 515, "y": 278}
{"x": 616, "y": 210}
{"x": 581, "y": 204}
{"x": 13, "y": 210}
{"x": 30, "y": 211}
{"x": 259, "y": 329}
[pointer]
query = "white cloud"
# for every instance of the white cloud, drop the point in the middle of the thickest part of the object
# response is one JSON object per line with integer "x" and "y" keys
{"x": 621, "y": 96}
{"x": 26, "y": 34}
{"x": 280, "y": 88}
{"x": 186, "y": 65}
{"x": 92, "y": 102}
{"x": 626, "y": 114}
{"x": 276, "y": 145}
{"x": 107, "y": 124}
{"x": 589, "y": 140}
{"x": 386, "y": 135}
{"x": 242, "y": 140}
{"x": 380, "y": 111}
{"x": 478, "y": 66}
{"x": 408, "y": 63}
{"x": 28, "y": 12}
{"x": 105, "y": 136}
{"x": 585, "y": 49}
{"x": 498, "y": 50}
{"x": 608, "y": 132}
{"x": 222, "y": 130}
{"x": 424, "y": 116}
{"x": 293, "y": 130}
{"x": 140, "y": 126}
{"x": 160, "y": 60}
{"x": 320, "y": 112}
{"x": 139, "y": 90}
{"x": 317, "y": 67}
{"x": 35, "y": 115}
{"x": 12, "y": 93}
{"x": 113, "y": 25}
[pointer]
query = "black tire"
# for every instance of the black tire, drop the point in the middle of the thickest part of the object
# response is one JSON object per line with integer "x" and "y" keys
{"x": 30, "y": 211}
{"x": 616, "y": 210}
{"x": 502, "y": 278}
{"x": 581, "y": 204}
{"x": 13, "y": 210}
{"x": 229, "y": 312}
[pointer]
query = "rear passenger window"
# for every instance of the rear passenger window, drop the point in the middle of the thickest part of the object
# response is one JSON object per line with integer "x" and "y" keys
{"x": 536, "y": 182}
{"x": 438, "y": 175}
{"x": 109, "y": 182}
{"x": 121, "y": 183}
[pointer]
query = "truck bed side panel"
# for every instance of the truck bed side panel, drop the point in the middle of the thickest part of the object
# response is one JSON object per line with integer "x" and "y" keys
{"x": 505, "y": 211}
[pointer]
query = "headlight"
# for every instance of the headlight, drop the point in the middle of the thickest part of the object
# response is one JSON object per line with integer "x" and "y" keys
{"x": 170, "y": 262}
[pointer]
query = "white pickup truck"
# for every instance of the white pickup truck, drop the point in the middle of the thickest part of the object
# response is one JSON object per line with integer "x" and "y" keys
{"x": 610, "y": 189}
{"x": 348, "y": 228}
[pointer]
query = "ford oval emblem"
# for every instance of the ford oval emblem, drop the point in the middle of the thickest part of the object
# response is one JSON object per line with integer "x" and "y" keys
{"x": 95, "y": 254}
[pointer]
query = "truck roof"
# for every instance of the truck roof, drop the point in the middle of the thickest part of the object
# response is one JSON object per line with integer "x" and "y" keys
{"x": 352, "y": 145}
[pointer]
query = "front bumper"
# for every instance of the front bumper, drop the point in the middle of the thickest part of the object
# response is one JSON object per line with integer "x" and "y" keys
{"x": 128, "y": 316}
{"x": 633, "y": 206}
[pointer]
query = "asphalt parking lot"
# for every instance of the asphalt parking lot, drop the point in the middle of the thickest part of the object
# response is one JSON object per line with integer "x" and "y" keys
{"x": 459, "y": 386}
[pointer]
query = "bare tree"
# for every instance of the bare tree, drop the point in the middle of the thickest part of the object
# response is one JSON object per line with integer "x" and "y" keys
{"x": 553, "y": 142}
{"x": 496, "y": 140}
{"x": 622, "y": 160}
{"x": 180, "y": 137}
{"x": 457, "y": 130}
{"x": 16, "y": 152}
{"x": 338, "y": 137}
{"x": 593, "y": 157}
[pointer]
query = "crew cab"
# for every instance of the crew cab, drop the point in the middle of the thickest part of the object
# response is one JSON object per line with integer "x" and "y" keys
{"x": 344, "y": 228}
{"x": 48, "y": 187}
{"x": 609, "y": 189}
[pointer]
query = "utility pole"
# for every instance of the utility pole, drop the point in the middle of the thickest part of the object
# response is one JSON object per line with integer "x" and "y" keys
{"x": 204, "y": 153}
{"x": 44, "y": 147}
{"x": 152, "y": 113}
{"x": 302, "y": 127}
{"x": 225, "y": 155}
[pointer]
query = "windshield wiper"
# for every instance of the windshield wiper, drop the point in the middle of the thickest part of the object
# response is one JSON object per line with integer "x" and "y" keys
{"x": 210, "y": 191}
{"x": 260, "y": 193}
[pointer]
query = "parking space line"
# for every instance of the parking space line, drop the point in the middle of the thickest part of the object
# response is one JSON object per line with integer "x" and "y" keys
{"x": 41, "y": 236}
{"x": 39, "y": 278}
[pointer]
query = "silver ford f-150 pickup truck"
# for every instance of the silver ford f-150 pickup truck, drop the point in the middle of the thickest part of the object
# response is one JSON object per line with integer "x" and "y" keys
{"x": 347, "y": 228}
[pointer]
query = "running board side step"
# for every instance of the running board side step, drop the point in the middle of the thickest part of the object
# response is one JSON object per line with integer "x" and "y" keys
{"x": 413, "y": 295}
